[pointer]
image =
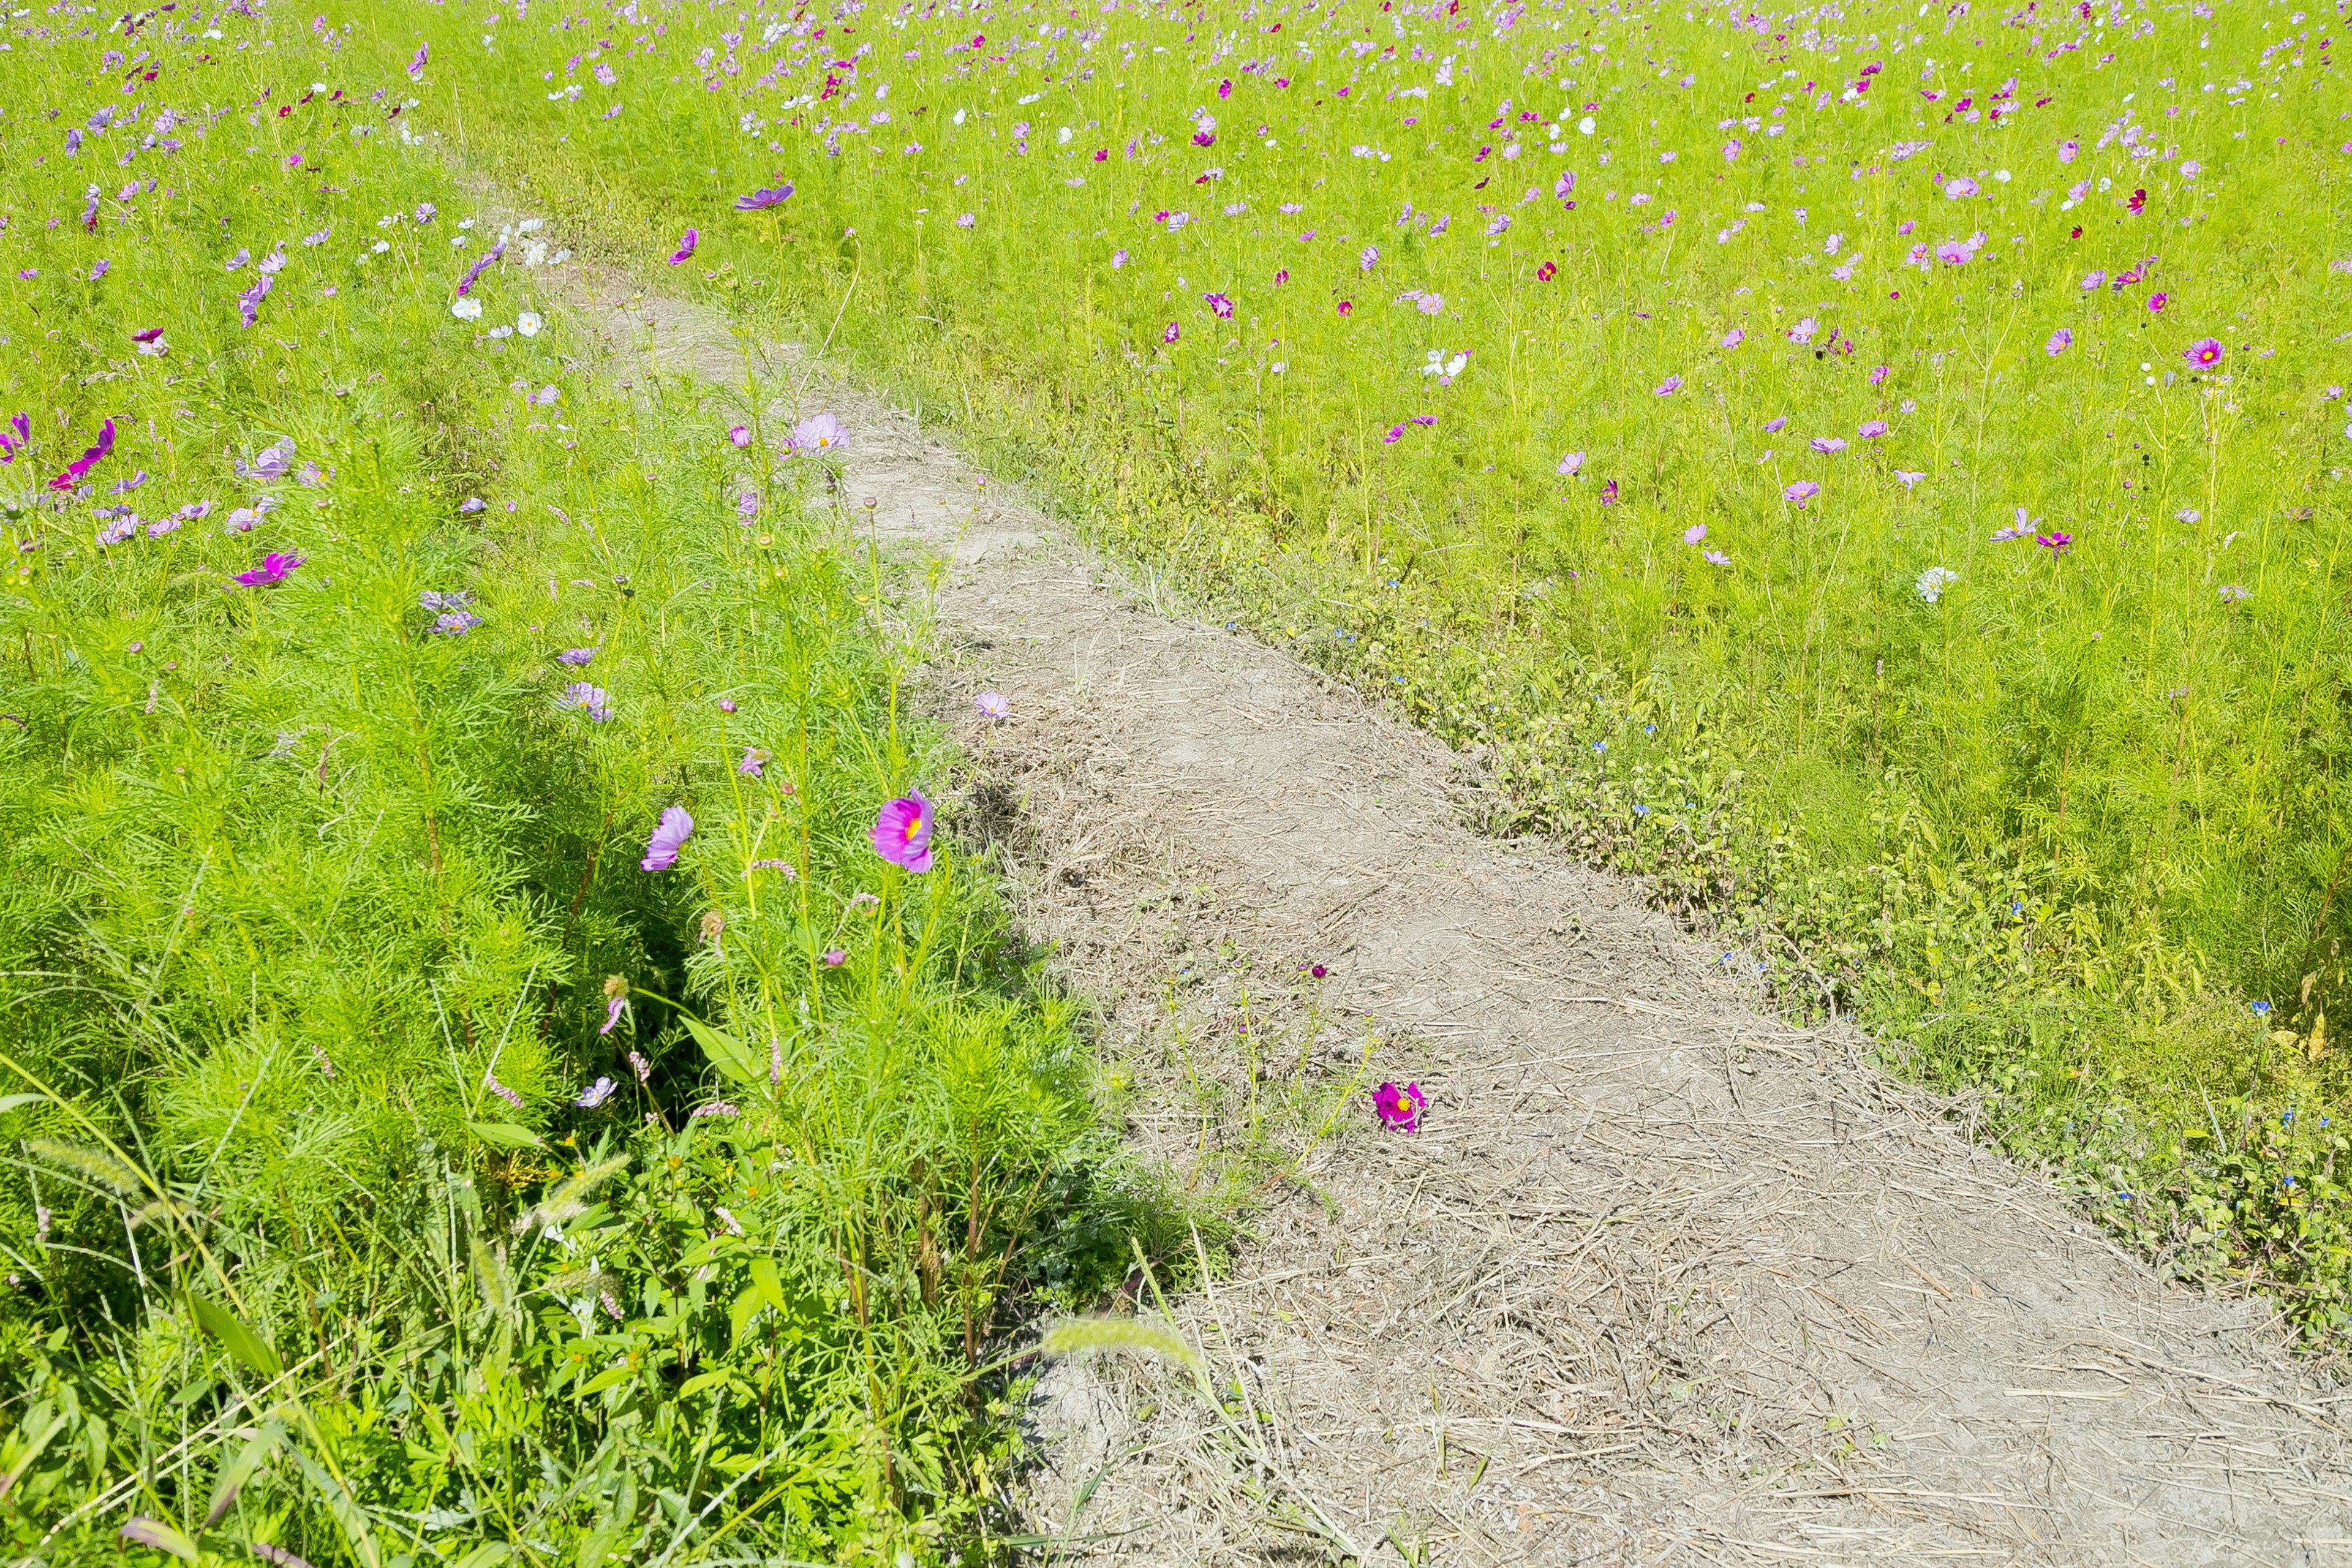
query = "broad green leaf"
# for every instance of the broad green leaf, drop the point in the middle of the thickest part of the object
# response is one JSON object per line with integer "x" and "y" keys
{"x": 727, "y": 1053}
{"x": 488, "y": 1554}
{"x": 770, "y": 1287}
{"x": 237, "y": 1339}
{"x": 505, "y": 1134}
{"x": 605, "y": 1380}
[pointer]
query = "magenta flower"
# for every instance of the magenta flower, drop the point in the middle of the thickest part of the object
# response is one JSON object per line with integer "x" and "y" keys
{"x": 1800, "y": 492}
{"x": 417, "y": 62}
{"x": 2060, "y": 341}
{"x": 1170, "y": 332}
{"x": 761, "y": 200}
{"x": 1394, "y": 433}
{"x": 902, "y": 832}
{"x": 2204, "y": 351}
{"x": 1609, "y": 493}
{"x": 739, "y": 434}
{"x": 685, "y": 246}
{"x": 1872, "y": 429}
{"x": 1734, "y": 337}
{"x": 2056, "y": 544}
{"x": 2156, "y": 301}
{"x": 669, "y": 834}
{"x": 1399, "y": 1109}
{"x": 614, "y": 1007}
{"x": 273, "y": 569}
{"x": 1220, "y": 306}
{"x": 817, "y": 433}
{"x": 75, "y": 471}
{"x": 1878, "y": 373}
{"x": 18, "y": 433}
{"x": 1673, "y": 383}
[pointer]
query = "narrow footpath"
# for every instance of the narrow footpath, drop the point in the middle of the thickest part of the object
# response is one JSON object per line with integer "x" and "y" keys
{"x": 1660, "y": 1280}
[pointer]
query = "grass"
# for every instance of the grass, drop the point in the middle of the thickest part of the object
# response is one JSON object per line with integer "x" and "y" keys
{"x": 398, "y": 1170}
{"x": 2058, "y": 812}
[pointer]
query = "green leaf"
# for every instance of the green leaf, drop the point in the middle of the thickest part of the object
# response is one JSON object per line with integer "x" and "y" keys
{"x": 11, "y": 1101}
{"x": 727, "y": 1053}
{"x": 701, "y": 1382}
{"x": 488, "y": 1554}
{"x": 237, "y": 1339}
{"x": 163, "y": 1537}
{"x": 254, "y": 1455}
{"x": 347, "y": 1512}
{"x": 770, "y": 1287}
{"x": 505, "y": 1134}
{"x": 605, "y": 1380}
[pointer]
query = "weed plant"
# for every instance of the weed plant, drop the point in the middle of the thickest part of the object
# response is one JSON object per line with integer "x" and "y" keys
{"x": 402, "y": 1164}
{"x": 1882, "y": 471}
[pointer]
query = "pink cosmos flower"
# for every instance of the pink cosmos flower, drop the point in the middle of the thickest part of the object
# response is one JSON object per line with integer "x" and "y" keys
{"x": 1170, "y": 332}
{"x": 1734, "y": 337}
{"x": 817, "y": 433}
{"x": 2056, "y": 544}
{"x": 1399, "y": 1109}
{"x": 1609, "y": 493}
{"x": 1825, "y": 444}
{"x": 1571, "y": 464}
{"x": 1962, "y": 187}
{"x": 685, "y": 246}
{"x": 739, "y": 434}
{"x": 1800, "y": 492}
{"x": 1672, "y": 385}
{"x": 1392, "y": 435}
{"x": 2204, "y": 351}
{"x": 669, "y": 836}
{"x": 2060, "y": 341}
{"x": 1694, "y": 534}
{"x": 2157, "y": 301}
{"x": 1872, "y": 429}
{"x": 902, "y": 832}
{"x": 1878, "y": 373}
{"x": 273, "y": 569}
{"x": 1909, "y": 478}
{"x": 993, "y": 705}
{"x": 1220, "y": 306}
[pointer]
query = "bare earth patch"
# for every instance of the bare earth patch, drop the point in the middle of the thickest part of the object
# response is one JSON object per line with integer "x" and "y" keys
{"x": 1661, "y": 1281}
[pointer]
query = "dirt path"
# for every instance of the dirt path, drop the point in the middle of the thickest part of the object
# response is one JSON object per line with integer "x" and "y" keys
{"x": 1661, "y": 1281}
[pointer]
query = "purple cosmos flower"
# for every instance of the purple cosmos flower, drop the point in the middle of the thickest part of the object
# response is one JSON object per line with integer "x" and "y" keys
{"x": 456, "y": 623}
{"x": 2157, "y": 301}
{"x": 1694, "y": 534}
{"x": 17, "y": 434}
{"x": 1953, "y": 252}
{"x": 2060, "y": 341}
{"x": 1392, "y": 435}
{"x": 273, "y": 569}
{"x": 1803, "y": 333}
{"x": 727, "y": 705}
{"x": 669, "y": 833}
{"x": 1909, "y": 478}
{"x": 1714, "y": 557}
{"x": 1962, "y": 187}
{"x": 1673, "y": 383}
{"x": 249, "y": 304}
{"x": 1825, "y": 444}
{"x": 547, "y": 395}
{"x": 902, "y": 832}
{"x": 2056, "y": 544}
{"x": 593, "y": 700}
{"x": 1170, "y": 332}
{"x": 417, "y": 62}
{"x": 2204, "y": 351}
{"x": 1219, "y": 305}
{"x": 739, "y": 434}
{"x": 763, "y": 198}
{"x": 1800, "y": 492}
{"x": 77, "y": 470}
{"x": 1734, "y": 337}
{"x": 1609, "y": 493}
{"x": 595, "y": 1094}
{"x": 1119, "y": 258}
{"x": 1872, "y": 429}
{"x": 575, "y": 655}
{"x": 481, "y": 264}
{"x": 1369, "y": 258}
{"x": 472, "y": 503}
{"x": 2022, "y": 527}
{"x": 965, "y": 220}
{"x": 817, "y": 433}
{"x": 73, "y": 140}
{"x": 1399, "y": 1109}
{"x": 753, "y": 761}
{"x": 2092, "y": 280}
{"x": 993, "y": 705}
{"x": 1569, "y": 464}
{"x": 685, "y": 247}
{"x": 1772, "y": 425}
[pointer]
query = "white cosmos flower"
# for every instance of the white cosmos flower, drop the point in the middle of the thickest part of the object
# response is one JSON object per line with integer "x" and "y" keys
{"x": 528, "y": 323}
{"x": 466, "y": 310}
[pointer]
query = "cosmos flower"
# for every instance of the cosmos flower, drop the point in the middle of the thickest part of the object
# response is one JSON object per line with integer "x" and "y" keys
{"x": 2056, "y": 544}
{"x": 1957, "y": 188}
{"x": 902, "y": 832}
{"x": 2157, "y": 301}
{"x": 1399, "y": 1109}
{"x": 1932, "y": 582}
{"x": 595, "y": 1094}
{"x": 764, "y": 198}
{"x": 1694, "y": 534}
{"x": 816, "y": 434}
{"x": 669, "y": 835}
{"x": 1713, "y": 558}
{"x": 1569, "y": 464}
{"x": 1800, "y": 492}
{"x": 274, "y": 567}
{"x": 76, "y": 471}
{"x": 1871, "y": 429}
{"x": 2060, "y": 341}
{"x": 754, "y": 760}
{"x": 2023, "y": 528}
{"x": 993, "y": 705}
{"x": 1825, "y": 444}
{"x": 2204, "y": 351}
{"x": 1734, "y": 337}
{"x": 1672, "y": 385}
{"x": 593, "y": 700}
{"x": 1170, "y": 332}
{"x": 1909, "y": 478}
{"x": 1219, "y": 305}
{"x": 528, "y": 323}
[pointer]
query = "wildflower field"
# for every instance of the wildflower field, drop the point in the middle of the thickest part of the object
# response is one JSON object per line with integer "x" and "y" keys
{"x": 497, "y": 1066}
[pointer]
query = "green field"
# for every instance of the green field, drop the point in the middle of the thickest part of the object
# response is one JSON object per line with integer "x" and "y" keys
{"x": 1881, "y": 471}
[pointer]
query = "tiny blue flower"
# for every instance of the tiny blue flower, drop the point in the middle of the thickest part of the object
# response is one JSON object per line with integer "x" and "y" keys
{"x": 1640, "y": 810}
{"x": 2260, "y": 1008}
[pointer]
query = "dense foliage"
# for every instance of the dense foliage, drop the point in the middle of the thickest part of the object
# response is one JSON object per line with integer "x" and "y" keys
{"x": 413, "y": 1152}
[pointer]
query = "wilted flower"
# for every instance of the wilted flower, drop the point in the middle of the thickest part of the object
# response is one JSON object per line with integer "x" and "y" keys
{"x": 670, "y": 834}
{"x": 902, "y": 832}
{"x": 1908, "y": 477}
{"x": 2232, "y": 593}
{"x": 1399, "y": 1108}
{"x": 2023, "y": 526}
{"x": 685, "y": 247}
{"x": 753, "y": 761}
